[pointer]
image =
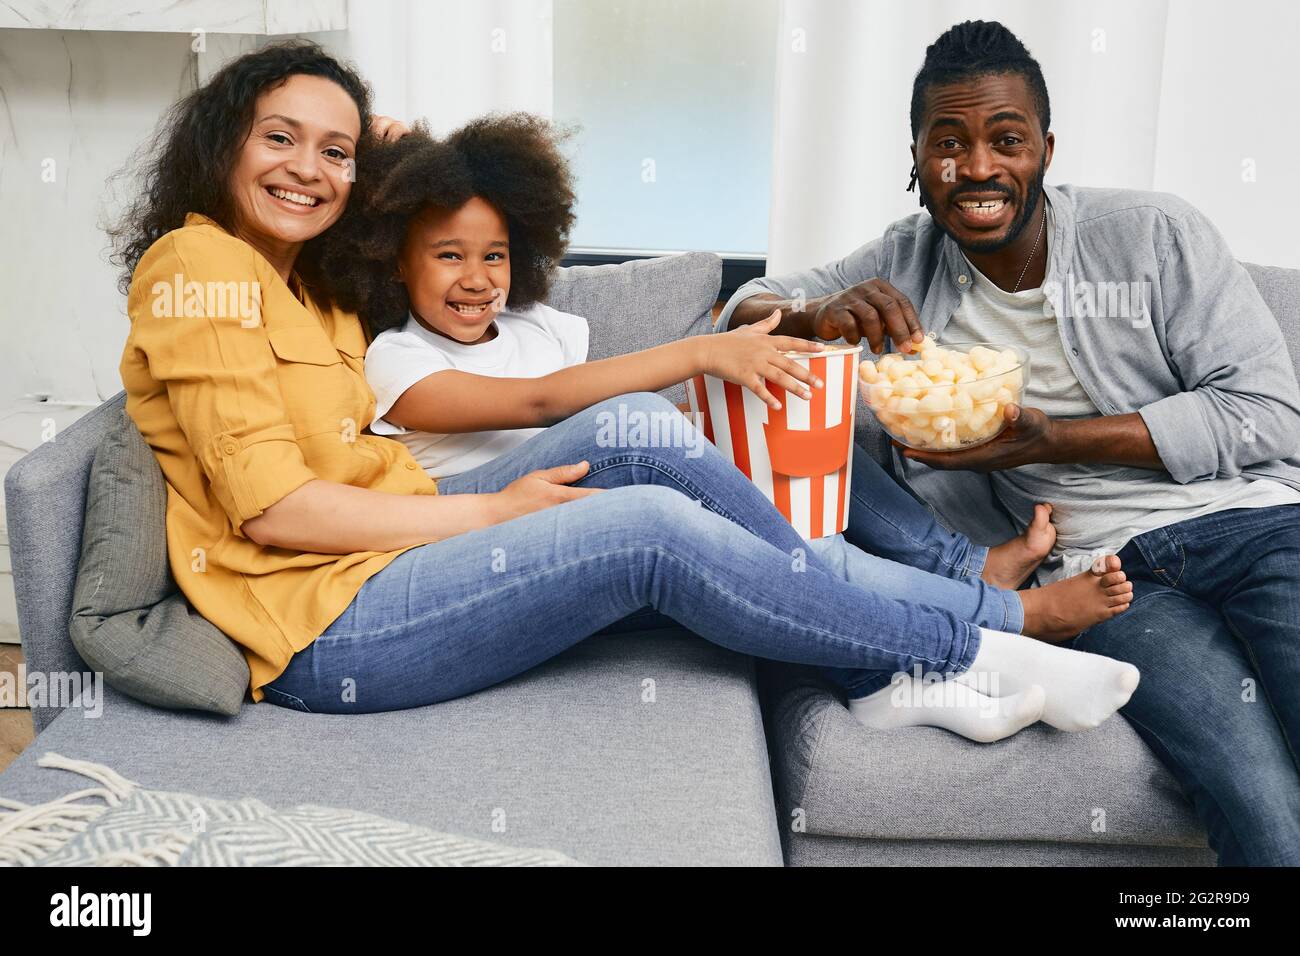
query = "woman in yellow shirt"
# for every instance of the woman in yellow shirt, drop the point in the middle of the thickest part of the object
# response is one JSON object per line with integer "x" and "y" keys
{"x": 351, "y": 583}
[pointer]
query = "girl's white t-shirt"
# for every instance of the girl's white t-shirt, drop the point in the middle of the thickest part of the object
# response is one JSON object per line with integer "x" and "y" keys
{"x": 529, "y": 343}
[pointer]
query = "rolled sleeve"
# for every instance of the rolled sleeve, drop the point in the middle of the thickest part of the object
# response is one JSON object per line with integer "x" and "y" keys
{"x": 257, "y": 470}
{"x": 219, "y": 373}
{"x": 1182, "y": 436}
{"x": 747, "y": 291}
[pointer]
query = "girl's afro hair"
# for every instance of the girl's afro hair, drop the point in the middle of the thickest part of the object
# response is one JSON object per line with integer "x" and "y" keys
{"x": 511, "y": 160}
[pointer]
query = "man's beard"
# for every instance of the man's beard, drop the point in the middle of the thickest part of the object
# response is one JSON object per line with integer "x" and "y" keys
{"x": 1017, "y": 225}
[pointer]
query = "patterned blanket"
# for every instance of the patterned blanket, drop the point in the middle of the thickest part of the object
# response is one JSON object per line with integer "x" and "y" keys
{"x": 120, "y": 823}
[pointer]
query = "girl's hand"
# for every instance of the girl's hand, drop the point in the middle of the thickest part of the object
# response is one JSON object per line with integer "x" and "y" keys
{"x": 538, "y": 490}
{"x": 387, "y": 129}
{"x": 751, "y": 357}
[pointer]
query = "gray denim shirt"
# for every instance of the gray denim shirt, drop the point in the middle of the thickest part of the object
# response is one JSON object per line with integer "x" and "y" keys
{"x": 1155, "y": 315}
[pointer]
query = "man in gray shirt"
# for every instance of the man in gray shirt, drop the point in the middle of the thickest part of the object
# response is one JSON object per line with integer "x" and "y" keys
{"x": 1161, "y": 418}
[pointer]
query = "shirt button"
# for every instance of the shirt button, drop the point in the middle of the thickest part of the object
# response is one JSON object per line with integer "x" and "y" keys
{"x": 963, "y": 279}
{"x": 1075, "y": 351}
{"x": 229, "y": 448}
{"x": 412, "y": 465}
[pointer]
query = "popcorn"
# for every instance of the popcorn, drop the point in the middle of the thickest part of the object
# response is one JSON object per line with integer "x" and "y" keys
{"x": 942, "y": 398}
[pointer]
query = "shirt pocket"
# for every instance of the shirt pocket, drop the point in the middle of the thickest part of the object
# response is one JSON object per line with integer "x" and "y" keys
{"x": 315, "y": 383}
{"x": 307, "y": 343}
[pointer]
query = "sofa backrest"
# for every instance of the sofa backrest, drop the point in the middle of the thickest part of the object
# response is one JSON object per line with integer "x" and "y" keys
{"x": 1280, "y": 289}
{"x": 637, "y": 305}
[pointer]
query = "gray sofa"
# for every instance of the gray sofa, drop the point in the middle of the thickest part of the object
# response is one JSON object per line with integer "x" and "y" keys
{"x": 736, "y": 762}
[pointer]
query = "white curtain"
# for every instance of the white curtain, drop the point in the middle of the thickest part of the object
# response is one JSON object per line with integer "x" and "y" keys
{"x": 450, "y": 61}
{"x": 1193, "y": 97}
{"x": 447, "y": 61}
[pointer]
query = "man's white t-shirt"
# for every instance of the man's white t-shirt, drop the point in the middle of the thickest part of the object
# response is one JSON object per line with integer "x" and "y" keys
{"x": 529, "y": 343}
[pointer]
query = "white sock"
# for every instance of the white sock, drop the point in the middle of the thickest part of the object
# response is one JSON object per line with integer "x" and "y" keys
{"x": 1082, "y": 689}
{"x": 909, "y": 702}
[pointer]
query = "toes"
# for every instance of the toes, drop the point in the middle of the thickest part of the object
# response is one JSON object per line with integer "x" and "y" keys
{"x": 1113, "y": 578}
{"x": 1106, "y": 564}
{"x": 1099, "y": 566}
{"x": 1115, "y": 589}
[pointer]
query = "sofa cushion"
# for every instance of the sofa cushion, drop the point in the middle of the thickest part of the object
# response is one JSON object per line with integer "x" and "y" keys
{"x": 1102, "y": 787}
{"x": 639, "y": 304}
{"x": 643, "y": 747}
{"x": 129, "y": 619}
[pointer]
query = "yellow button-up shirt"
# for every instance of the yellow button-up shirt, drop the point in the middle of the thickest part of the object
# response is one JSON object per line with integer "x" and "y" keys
{"x": 246, "y": 390}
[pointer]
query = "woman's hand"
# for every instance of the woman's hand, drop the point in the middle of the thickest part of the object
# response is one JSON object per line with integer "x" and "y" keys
{"x": 538, "y": 490}
{"x": 750, "y": 357}
{"x": 387, "y": 129}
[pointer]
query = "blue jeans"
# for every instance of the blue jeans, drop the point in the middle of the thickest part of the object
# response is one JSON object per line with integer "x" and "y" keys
{"x": 677, "y": 536}
{"x": 1214, "y": 627}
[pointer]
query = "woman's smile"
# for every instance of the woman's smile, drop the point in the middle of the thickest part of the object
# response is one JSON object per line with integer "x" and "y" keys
{"x": 297, "y": 201}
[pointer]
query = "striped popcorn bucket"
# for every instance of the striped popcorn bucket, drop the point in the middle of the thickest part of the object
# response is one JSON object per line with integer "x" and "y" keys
{"x": 800, "y": 455}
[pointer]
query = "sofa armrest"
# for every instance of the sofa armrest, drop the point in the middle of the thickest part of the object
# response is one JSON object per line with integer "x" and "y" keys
{"x": 45, "y": 503}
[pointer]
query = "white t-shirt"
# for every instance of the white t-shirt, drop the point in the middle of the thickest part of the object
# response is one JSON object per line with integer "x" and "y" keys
{"x": 529, "y": 343}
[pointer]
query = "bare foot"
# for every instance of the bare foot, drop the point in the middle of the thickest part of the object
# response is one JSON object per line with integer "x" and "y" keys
{"x": 1058, "y": 611}
{"x": 1012, "y": 561}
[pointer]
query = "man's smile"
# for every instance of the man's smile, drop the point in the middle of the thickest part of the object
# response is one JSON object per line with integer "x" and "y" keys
{"x": 982, "y": 212}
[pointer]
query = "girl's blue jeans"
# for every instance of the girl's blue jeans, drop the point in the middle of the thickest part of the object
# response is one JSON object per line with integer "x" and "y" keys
{"x": 680, "y": 534}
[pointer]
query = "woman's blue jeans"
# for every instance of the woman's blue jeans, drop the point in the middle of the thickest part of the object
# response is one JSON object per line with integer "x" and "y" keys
{"x": 680, "y": 533}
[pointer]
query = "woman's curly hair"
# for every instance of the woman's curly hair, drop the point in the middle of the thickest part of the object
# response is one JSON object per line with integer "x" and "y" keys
{"x": 187, "y": 164}
{"x": 511, "y": 160}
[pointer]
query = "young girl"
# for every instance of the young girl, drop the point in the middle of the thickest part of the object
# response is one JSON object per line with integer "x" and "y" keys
{"x": 446, "y": 253}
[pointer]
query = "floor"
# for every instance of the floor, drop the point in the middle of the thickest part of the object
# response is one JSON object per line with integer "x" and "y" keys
{"x": 16, "y": 730}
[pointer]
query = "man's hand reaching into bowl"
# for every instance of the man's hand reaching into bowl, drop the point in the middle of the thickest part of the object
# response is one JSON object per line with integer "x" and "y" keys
{"x": 871, "y": 310}
{"x": 1028, "y": 439}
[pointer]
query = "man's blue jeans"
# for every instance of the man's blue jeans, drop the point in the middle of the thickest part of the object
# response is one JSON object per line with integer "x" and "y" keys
{"x": 678, "y": 535}
{"x": 1214, "y": 628}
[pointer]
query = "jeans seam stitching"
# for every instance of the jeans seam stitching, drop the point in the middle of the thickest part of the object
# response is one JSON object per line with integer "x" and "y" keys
{"x": 268, "y": 689}
{"x": 678, "y": 477}
{"x": 693, "y": 490}
{"x": 1259, "y": 675}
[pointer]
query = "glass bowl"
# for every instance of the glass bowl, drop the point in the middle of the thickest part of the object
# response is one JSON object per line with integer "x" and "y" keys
{"x": 931, "y": 403}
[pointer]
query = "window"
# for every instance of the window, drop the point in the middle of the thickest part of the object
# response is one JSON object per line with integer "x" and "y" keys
{"x": 674, "y": 99}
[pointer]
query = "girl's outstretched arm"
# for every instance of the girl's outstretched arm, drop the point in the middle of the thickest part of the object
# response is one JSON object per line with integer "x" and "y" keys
{"x": 451, "y": 401}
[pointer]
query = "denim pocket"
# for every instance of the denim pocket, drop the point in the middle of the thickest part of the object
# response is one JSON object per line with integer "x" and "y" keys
{"x": 281, "y": 699}
{"x": 1163, "y": 552}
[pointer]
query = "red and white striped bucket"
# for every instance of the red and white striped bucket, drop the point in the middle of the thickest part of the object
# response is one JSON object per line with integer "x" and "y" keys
{"x": 800, "y": 455}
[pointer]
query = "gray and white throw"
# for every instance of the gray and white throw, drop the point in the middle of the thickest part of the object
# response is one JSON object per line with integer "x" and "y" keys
{"x": 120, "y": 823}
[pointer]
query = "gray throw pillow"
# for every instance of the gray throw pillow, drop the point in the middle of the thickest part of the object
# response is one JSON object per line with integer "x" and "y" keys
{"x": 129, "y": 619}
{"x": 639, "y": 304}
